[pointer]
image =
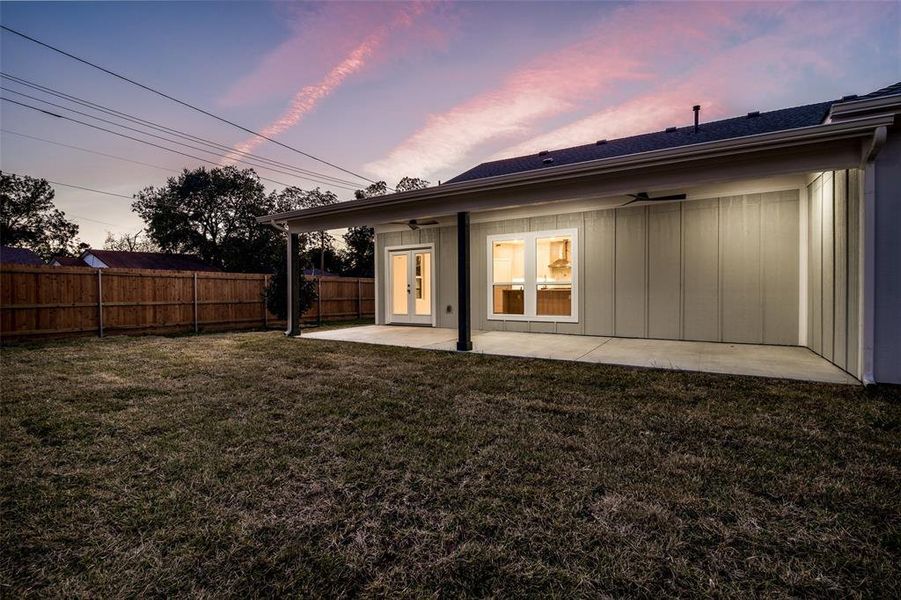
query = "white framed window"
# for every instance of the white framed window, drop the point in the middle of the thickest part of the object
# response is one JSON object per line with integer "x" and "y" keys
{"x": 532, "y": 276}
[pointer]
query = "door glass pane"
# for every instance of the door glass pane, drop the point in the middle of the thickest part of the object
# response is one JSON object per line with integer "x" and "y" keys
{"x": 509, "y": 300}
{"x": 554, "y": 261}
{"x": 554, "y": 299}
{"x": 399, "y": 293}
{"x": 508, "y": 258}
{"x": 423, "y": 283}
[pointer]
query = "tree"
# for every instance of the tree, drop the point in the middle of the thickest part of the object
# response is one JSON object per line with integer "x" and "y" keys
{"x": 29, "y": 219}
{"x": 411, "y": 183}
{"x": 359, "y": 253}
{"x": 135, "y": 242}
{"x": 212, "y": 213}
{"x": 286, "y": 200}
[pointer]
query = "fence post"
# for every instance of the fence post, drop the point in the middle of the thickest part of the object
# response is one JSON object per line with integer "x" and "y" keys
{"x": 265, "y": 302}
{"x": 359, "y": 299}
{"x": 100, "y": 301}
{"x": 195, "y": 303}
{"x": 319, "y": 300}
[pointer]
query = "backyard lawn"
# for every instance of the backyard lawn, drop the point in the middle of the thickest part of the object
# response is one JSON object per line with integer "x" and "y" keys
{"x": 249, "y": 464}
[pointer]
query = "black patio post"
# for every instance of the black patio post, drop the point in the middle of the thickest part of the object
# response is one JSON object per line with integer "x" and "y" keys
{"x": 464, "y": 335}
{"x": 293, "y": 285}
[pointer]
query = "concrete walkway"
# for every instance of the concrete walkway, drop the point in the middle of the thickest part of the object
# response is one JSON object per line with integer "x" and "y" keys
{"x": 789, "y": 362}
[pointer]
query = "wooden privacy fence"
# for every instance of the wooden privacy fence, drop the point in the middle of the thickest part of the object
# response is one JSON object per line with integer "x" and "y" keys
{"x": 48, "y": 301}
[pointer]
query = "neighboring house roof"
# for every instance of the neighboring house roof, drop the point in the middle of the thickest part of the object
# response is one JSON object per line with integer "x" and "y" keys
{"x": 737, "y": 127}
{"x": 19, "y": 256}
{"x": 68, "y": 261}
{"x": 120, "y": 259}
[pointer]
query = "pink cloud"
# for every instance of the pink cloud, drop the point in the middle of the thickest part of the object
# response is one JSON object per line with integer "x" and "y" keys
{"x": 719, "y": 85}
{"x": 660, "y": 59}
{"x": 372, "y": 47}
{"x": 626, "y": 47}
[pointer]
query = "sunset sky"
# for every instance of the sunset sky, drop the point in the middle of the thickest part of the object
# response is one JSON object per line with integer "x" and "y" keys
{"x": 420, "y": 89}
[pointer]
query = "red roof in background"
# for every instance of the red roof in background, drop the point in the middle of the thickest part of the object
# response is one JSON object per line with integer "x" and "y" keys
{"x": 118, "y": 259}
{"x": 19, "y": 256}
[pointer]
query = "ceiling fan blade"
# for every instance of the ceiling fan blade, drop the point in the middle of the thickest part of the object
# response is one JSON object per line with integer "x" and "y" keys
{"x": 670, "y": 197}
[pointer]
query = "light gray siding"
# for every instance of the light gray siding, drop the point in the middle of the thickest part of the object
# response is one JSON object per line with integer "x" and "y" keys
{"x": 741, "y": 319}
{"x": 664, "y": 271}
{"x": 598, "y": 251}
{"x": 833, "y": 252}
{"x": 630, "y": 275}
{"x": 779, "y": 266}
{"x": 721, "y": 269}
{"x": 700, "y": 268}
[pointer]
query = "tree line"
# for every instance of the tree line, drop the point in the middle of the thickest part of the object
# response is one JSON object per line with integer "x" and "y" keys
{"x": 207, "y": 212}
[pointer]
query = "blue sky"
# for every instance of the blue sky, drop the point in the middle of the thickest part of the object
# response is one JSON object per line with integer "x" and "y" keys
{"x": 420, "y": 89}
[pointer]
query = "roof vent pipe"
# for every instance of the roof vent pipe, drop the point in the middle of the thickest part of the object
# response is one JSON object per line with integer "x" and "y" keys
{"x": 697, "y": 109}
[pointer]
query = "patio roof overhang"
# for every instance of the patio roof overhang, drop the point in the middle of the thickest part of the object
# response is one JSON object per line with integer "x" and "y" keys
{"x": 834, "y": 145}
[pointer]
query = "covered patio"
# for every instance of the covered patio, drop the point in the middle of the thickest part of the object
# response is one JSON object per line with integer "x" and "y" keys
{"x": 787, "y": 362}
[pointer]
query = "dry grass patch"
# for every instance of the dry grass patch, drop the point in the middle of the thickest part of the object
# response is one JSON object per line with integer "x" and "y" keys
{"x": 250, "y": 464}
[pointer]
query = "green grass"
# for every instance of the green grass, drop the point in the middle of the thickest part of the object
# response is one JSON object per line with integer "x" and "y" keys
{"x": 255, "y": 465}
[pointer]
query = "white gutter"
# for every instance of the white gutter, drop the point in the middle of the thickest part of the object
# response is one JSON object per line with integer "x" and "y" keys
{"x": 705, "y": 150}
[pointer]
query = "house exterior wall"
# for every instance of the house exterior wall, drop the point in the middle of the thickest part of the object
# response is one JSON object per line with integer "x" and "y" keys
{"x": 887, "y": 261}
{"x": 718, "y": 269}
{"x": 833, "y": 268}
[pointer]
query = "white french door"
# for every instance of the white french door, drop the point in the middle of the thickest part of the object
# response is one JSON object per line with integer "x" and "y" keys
{"x": 410, "y": 294}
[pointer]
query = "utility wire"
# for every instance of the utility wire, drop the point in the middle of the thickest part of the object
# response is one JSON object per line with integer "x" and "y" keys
{"x": 59, "y": 116}
{"x": 171, "y": 141}
{"x": 182, "y": 102}
{"x": 52, "y": 114}
{"x": 159, "y": 127}
{"x": 113, "y": 156}
{"x": 77, "y": 187}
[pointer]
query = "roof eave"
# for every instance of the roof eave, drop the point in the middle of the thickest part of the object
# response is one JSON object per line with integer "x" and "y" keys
{"x": 803, "y": 135}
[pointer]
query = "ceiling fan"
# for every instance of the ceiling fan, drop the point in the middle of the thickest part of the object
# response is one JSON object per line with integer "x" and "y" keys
{"x": 643, "y": 197}
{"x": 415, "y": 224}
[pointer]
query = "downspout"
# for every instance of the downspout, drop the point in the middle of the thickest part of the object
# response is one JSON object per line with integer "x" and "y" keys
{"x": 868, "y": 255}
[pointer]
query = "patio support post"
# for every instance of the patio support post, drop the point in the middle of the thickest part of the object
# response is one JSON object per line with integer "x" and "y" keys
{"x": 464, "y": 333}
{"x": 293, "y": 285}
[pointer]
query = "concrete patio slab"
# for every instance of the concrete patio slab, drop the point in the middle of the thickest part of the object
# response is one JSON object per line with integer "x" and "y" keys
{"x": 788, "y": 362}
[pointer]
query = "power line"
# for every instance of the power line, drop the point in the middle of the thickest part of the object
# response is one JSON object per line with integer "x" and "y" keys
{"x": 159, "y": 127}
{"x": 58, "y": 116}
{"x": 171, "y": 141}
{"x": 90, "y": 219}
{"x": 78, "y": 187}
{"x": 113, "y": 156}
{"x": 182, "y": 102}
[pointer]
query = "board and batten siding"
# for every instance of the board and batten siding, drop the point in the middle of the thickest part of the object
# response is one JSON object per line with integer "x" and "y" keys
{"x": 719, "y": 269}
{"x": 833, "y": 268}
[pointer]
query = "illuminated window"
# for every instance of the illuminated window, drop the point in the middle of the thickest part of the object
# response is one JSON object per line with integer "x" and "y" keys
{"x": 553, "y": 275}
{"x": 532, "y": 277}
{"x": 508, "y": 277}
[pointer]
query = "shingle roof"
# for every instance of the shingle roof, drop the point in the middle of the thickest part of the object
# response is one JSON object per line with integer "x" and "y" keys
{"x": 69, "y": 261}
{"x": 736, "y": 127}
{"x": 889, "y": 90}
{"x": 119, "y": 259}
{"x": 19, "y": 256}
{"x": 765, "y": 122}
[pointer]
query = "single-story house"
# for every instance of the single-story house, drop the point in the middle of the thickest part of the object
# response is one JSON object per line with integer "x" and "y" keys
{"x": 775, "y": 228}
{"x": 19, "y": 256}
{"x": 122, "y": 259}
